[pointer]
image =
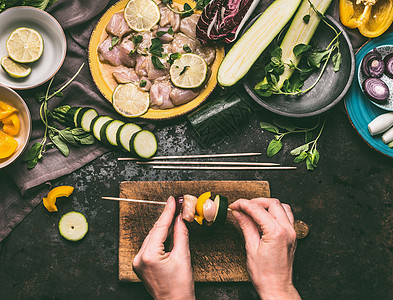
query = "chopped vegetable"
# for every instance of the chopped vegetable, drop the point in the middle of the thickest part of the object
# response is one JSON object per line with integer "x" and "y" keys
{"x": 375, "y": 89}
{"x": 57, "y": 192}
{"x": 6, "y": 110}
{"x": 388, "y": 60}
{"x": 109, "y": 132}
{"x": 223, "y": 20}
{"x": 387, "y": 137}
{"x": 73, "y": 226}
{"x": 11, "y": 124}
{"x": 97, "y": 124}
{"x": 199, "y": 207}
{"x": 371, "y": 17}
{"x": 8, "y": 145}
{"x": 143, "y": 144}
{"x": 256, "y": 39}
{"x": 125, "y": 133}
{"x": 381, "y": 123}
{"x": 222, "y": 209}
{"x": 373, "y": 64}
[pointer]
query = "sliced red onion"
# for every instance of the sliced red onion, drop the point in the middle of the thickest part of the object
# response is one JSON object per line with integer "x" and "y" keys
{"x": 373, "y": 64}
{"x": 179, "y": 203}
{"x": 388, "y": 60}
{"x": 376, "y": 90}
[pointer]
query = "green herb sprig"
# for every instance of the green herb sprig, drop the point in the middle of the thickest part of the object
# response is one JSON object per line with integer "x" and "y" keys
{"x": 307, "y": 152}
{"x": 59, "y": 138}
{"x": 187, "y": 9}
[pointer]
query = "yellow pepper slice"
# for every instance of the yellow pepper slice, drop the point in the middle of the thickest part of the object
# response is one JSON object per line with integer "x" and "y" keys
{"x": 371, "y": 17}
{"x": 60, "y": 191}
{"x": 6, "y": 110}
{"x": 8, "y": 145}
{"x": 11, "y": 124}
{"x": 199, "y": 207}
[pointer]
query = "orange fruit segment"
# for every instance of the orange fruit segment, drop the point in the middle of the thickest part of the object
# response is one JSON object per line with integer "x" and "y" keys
{"x": 8, "y": 145}
{"x": 60, "y": 191}
{"x": 6, "y": 110}
{"x": 11, "y": 124}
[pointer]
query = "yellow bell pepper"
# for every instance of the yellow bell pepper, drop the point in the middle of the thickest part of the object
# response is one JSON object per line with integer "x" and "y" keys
{"x": 199, "y": 207}
{"x": 60, "y": 191}
{"x": 6, "y": 110}
{"x": 8, "y": 145}
{"x": 371, "y": 17}
{"x": 11, "y": 124}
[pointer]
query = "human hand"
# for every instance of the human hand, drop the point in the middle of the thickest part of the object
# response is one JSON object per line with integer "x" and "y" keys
{"x": 166, "y": 275}
{"x": 270, "y": 239}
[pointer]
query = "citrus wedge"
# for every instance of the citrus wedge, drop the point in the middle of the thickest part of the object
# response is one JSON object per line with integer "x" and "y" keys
{"x": 141, "y": 15}
{"x": 25, "y": 45}
{"x": 14, "y": 69}
{"x": 189, "y": 71}
{"x": 129, "y": 101}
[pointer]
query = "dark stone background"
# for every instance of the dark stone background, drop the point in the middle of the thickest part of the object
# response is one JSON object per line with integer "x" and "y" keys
{"x": 346, "y": 201}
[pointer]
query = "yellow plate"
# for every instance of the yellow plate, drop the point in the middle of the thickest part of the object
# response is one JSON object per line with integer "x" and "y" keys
{"x": 102, "y": 73}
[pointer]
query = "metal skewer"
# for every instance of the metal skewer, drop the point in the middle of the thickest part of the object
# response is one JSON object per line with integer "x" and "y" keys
{"x": 138, "y": 201}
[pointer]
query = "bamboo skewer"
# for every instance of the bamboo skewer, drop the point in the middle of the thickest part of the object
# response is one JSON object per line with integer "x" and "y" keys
{"x": 221, "y": 168}
{"x": 223, "y": 163}
{"x": 138, "y": 201}
{"x": 196, "y": 156}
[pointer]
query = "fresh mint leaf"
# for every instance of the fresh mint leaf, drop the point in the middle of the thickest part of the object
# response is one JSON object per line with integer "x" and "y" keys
{"x": 299, "y": 49}
{"x": 156, "y": 47}
{"x": 316, "y": 57}
{"x": 301, "y": 157}
{"x": 170, "y": 31}
{"x": 67, "y": 137}
{"x": 299, "y": 150}
{"x": 77, "y": 131}
{"x": 309, "y": 164}
{"x": 337, "y": 60}
{"x": 269, "y": 127}
{"x": 114, "y": 41}
{"x": 284, "y": 124}
{"x": 187, "y": 10}
{"x": 274, "y": 147}
{"x": 308, "y": 136}
{"x": 157, "y": 63}
{"x": 33, "y": 152}
{"x": 173, "y": 57}
{"x": 187, "y": 49}
{"x": 61, "y": 145}
{"x": 86, "y": 140}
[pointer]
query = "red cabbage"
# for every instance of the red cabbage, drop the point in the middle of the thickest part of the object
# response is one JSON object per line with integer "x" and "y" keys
{"x": 222, "y": 20}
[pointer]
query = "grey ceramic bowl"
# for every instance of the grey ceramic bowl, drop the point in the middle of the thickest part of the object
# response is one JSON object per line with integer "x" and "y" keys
{"x": 55, "y": 45}
{"x": 328, "y": 92}
{"x": 10, "y": 97}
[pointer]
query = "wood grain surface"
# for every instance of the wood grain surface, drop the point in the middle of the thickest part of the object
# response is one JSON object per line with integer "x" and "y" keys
{"x": 218, "y": 254}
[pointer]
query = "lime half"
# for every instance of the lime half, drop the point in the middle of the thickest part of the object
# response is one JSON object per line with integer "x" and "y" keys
{"x": 73, "y": 226}
{"x": 141, "y": 15}
{"x": 129, "y": 101}
{"x": 14, "y": 69}
{"x": 189, "y": 71}
{"x": 25, "y": 45}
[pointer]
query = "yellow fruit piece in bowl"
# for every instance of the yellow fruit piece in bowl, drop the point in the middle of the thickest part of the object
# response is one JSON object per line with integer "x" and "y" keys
{"x": 11, "y": 124}
{"x": 8, "y": 145}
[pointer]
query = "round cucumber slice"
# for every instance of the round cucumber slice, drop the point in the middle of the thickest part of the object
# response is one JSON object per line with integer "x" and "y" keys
{"x": 222, "y": 209}
{"x": 73, "y": 226}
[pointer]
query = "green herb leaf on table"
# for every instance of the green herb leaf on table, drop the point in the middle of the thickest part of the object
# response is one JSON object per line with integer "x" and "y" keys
{"x": 274, "y": 147}
{"x": 299, "y": 49}
{"x": 337, "y": 60}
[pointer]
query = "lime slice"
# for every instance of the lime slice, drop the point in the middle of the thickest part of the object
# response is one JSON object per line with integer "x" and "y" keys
{"x": 141, "y": 15}
{"x": 73, "y": 226}
{"x": 25, "y": 45}
{"x": 189, "y": 71}
{"x": 129, "y": 101}
{"x": 14, "y": 69}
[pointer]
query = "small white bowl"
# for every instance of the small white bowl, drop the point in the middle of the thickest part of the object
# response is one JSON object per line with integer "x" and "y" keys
{"x": 10, "y": 97}
{"x": 55, "y": 45}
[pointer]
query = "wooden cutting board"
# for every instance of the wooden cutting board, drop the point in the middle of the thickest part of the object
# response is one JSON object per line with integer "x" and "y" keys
{"x": 218, "y": 254}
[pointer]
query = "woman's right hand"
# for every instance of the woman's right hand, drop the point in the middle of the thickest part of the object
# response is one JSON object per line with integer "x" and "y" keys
{"x": 270, "y": 240}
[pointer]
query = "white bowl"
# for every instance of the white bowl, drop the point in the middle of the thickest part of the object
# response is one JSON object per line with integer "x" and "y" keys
{"x": 55, "y": 45}
{"x": 10, "y": 97}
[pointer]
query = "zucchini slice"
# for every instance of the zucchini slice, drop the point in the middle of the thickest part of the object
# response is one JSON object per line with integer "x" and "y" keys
{"x": 97, "y": 124}
{"x": 109, "y": 131}
{"x": 143, "y": 144}
{"x": 256, "y": 39}
{"x": 84, "y": 118}
{"x": 73, "y": 226}
{"x": 125, "y": 133}
{"x": 222, "y": 209}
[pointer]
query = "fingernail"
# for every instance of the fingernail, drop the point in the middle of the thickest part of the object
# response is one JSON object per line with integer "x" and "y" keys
{"x": 170, "y": 199}
{"x": 179, "y": 218}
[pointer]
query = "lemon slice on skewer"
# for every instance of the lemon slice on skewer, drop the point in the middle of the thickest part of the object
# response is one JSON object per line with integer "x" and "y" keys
{"x": 14, "y": 69}
{"x": 25, "y": 45}
{"x": 141, "y": 15}
{"x": 189, "y": 71}
{"x": 129, "y": 101}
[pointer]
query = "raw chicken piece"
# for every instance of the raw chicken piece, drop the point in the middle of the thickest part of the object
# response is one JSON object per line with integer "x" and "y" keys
{"x": 118, "y": 26}
{"x": 126, "y": 76}
{"x": 209, "y": 210}
{"x": 206, "y": 52}
{"x": 141, "y": 65}
{"x": 109, "y": 56}
{"x": 152, "y": 72}
{"x": 126, "y": 46}
{"x": 168, "y": 17}
{"x": 147, "y": 86}
{"x": 181, "y": 40}
{"x": 144, "y": 46}
{"x": 188, "y": 25}
{"x": 159, "y": 95}
{"x": 188, "y": 207}
{"x": 167, "y": 48}
{"x": 182, "y": 96}
{"x": 166, "y": 38}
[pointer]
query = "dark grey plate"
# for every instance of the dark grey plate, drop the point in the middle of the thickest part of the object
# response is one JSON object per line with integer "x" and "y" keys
{"x": 328, "y": 92}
